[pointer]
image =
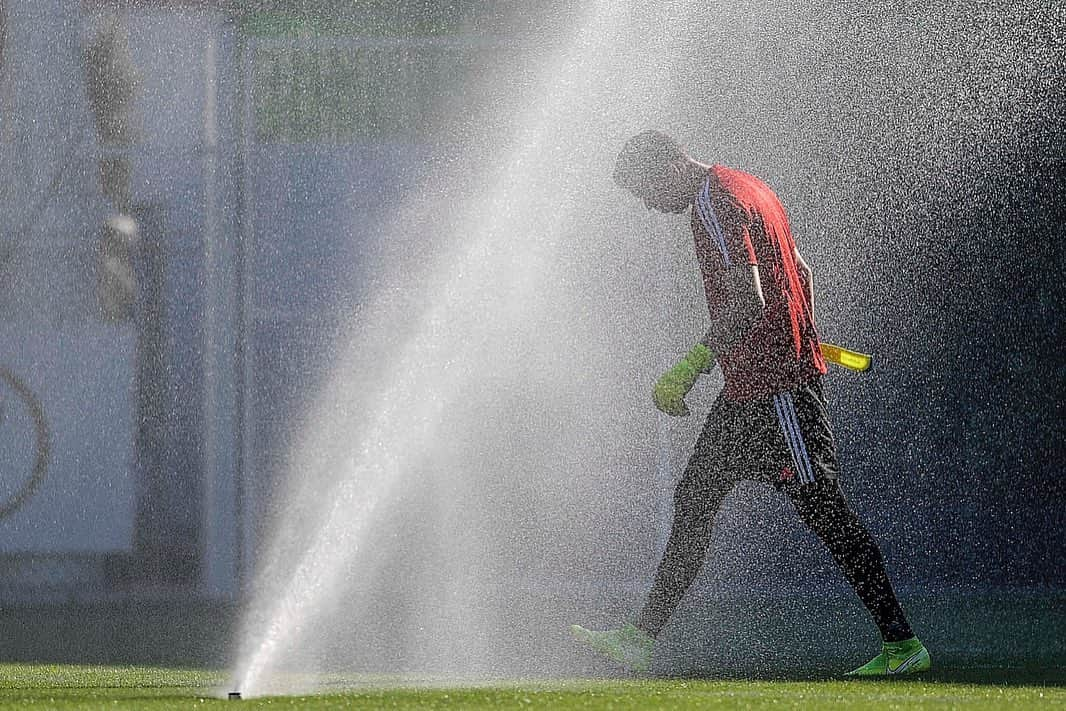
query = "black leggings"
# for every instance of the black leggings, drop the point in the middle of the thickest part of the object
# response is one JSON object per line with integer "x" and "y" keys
{"x": 821, "y": 505}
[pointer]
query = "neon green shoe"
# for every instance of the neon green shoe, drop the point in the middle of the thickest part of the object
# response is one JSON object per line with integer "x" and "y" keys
{"x": 897, "y": 658}
{"x": 629, "y": 646}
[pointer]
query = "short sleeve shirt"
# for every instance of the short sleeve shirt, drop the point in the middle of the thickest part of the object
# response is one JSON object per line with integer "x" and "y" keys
{"x": 738, "y": 221}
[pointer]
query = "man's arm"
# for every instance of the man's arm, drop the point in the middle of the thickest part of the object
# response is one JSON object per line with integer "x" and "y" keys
{"x": 743, "y": 307}
{"x": 739, "y": 313}
{"x": 807, "y": 277}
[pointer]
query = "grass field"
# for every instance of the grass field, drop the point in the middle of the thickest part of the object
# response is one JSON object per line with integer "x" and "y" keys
{"x": 992, "y": 651}
{"x": 30, "y": 686}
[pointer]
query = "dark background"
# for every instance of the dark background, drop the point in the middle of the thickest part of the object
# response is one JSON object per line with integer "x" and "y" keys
{"x": 956, "y": 274}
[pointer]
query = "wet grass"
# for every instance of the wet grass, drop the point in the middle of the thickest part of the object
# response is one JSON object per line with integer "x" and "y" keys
{"x": 40, "y": 686}
{"x": 993, "y": 651}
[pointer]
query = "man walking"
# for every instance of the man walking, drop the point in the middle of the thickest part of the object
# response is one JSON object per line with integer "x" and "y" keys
{"x": 770, "y": 421}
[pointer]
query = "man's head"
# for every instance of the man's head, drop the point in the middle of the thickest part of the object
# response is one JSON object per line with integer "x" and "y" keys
{"x": 655, "y": 168}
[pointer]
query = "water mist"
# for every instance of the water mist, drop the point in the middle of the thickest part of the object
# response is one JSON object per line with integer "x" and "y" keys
{"x": 479, "y": 466}
{"x": 480, "y": 342}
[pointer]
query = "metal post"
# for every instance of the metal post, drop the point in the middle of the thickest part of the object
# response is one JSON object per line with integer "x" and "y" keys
{"x": 245, "y": 346}
{"x": 3, "y": 41}
{"x": 5, "y": 110}
{"x": 220, "y": 524}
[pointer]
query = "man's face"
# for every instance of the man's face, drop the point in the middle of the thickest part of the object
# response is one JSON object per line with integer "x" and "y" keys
{"x": 663, "y": 190}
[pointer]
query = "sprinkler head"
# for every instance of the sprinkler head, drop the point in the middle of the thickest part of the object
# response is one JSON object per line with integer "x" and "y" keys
{"x": 234, "y": 696}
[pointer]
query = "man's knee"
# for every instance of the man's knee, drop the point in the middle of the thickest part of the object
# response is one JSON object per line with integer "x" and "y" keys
{"x": 700, "y": 490}
{"x": 823, "y": 508}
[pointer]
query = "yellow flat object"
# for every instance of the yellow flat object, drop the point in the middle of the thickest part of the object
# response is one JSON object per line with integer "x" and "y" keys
{"x": 852, "y": 360}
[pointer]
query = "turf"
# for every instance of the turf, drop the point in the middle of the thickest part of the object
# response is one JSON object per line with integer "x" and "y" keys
{"x": 30, "y": 686}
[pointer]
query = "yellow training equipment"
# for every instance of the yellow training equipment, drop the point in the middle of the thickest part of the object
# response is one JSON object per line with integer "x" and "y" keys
{"x": 852, "y": 360}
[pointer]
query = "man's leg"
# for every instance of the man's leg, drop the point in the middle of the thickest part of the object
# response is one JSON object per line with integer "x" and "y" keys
{"x": 696, "y": 502}
{"x": 823, "y": 508}
{"x": 811, "y": 484}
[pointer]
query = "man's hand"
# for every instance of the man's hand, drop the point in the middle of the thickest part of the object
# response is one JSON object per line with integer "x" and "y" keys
{"x": 670, "y": 390}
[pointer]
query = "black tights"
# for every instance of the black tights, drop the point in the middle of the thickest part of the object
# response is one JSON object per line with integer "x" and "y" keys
{"x": 822, "y": 508}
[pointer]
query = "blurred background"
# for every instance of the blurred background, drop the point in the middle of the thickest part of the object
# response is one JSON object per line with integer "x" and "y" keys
{"x": 192, "y": 202}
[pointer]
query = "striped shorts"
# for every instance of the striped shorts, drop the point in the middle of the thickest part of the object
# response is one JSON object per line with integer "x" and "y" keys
{"x": 785, "y": 439}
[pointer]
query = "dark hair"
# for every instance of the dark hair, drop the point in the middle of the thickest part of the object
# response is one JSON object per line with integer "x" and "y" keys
{"x": 644, "y": 159}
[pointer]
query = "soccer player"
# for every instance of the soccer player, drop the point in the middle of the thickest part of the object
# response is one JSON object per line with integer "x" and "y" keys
{"x": 770, "y": 422}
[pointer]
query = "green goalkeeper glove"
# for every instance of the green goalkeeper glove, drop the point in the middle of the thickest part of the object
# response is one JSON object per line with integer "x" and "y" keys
{"x": 671, "y": 389}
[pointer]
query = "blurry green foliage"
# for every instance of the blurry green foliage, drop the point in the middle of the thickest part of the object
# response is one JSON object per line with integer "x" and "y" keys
{"x": 345, "y": 92}
{"x": 365, "y": 18}
{"x": 361, "y": 71}
{"x": 364, "y": 71}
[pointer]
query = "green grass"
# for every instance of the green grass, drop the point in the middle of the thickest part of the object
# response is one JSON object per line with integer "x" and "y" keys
{"x": 39, "y": 686}
{"x": 991, "y": 651}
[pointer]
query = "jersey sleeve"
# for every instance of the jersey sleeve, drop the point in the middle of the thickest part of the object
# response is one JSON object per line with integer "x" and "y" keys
{"x": 729, "y": 227}
{"x": 737, "y": 228}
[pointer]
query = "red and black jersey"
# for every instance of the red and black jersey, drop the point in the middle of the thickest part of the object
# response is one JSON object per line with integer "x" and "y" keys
{"x": 738, "y": 220}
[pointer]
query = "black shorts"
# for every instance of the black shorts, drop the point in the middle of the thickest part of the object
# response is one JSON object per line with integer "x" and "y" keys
{"x": 785, "y": 439}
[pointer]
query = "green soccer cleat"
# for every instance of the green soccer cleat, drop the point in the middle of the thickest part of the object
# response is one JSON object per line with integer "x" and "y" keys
{"x": 896, "y": 659}
{"x": 631, "y": 647}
